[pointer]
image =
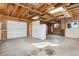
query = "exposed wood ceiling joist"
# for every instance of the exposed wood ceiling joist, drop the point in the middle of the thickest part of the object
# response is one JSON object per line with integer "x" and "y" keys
{"x": 30, "y": 10}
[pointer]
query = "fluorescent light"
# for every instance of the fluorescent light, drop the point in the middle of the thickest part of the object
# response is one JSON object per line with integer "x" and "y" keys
{"x": 36, "y": 17}
{"x": 60, "y": 9}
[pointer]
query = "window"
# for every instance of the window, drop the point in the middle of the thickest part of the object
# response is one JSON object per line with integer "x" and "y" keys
{"x": 72, "y": 24}
{"x": 56, "y": 25}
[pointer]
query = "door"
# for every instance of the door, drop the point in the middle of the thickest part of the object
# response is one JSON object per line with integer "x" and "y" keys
{"x": 57, "y": 28}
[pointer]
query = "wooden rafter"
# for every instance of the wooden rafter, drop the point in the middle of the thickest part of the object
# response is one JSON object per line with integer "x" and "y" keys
{"x": 10, "y": 9}
{"x": 28, "y": 8}
{"x": 13, "y": 18}
{"x": 21, "y": 12}
{"x": 14, "y": 10}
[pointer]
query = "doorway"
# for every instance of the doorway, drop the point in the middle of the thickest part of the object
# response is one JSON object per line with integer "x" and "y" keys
{"x": 55, "y": 28}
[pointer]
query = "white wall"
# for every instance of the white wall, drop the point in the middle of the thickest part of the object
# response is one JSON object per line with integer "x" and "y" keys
{"x": 72, "y": 32}
{"x": 16, "y": 29}
{"x": 38, "y": 30}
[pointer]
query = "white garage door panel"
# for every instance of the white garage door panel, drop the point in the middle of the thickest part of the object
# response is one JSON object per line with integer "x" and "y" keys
{"x": 39, "y": 30}
{"x": 16, "y": 29}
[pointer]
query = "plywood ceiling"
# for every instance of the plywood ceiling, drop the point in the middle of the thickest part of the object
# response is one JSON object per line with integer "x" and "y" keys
{"x": 26, "y": 11}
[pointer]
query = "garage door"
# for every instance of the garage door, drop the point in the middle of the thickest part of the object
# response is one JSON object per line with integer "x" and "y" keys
{"x": 16, "y": 29}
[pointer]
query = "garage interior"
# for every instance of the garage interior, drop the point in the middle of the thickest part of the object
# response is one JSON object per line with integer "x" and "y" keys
{"x": 39, "y": 29}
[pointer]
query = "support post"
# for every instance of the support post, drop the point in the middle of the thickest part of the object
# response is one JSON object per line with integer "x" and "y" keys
{"x": 49, "y": 28}
{"x": 3, "y": 27}
{"x": 29, "y": 27}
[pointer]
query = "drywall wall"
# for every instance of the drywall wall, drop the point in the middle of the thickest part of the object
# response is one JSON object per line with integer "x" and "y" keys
{"x": 16, "y": 29}
{"x": 72, "y": 32}
{"x": 38, "y": 30}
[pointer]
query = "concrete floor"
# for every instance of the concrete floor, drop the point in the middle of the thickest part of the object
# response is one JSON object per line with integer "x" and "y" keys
{"x": 24, "y": 47}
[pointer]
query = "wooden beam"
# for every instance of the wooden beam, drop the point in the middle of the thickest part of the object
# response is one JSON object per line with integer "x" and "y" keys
{"x": 44, "y": 7}
{"x": 41, "y": 6}
{"x": 39, "y": 12}
{"x": 24, "y": 14}
{"x": 74, "y": 9}
{"x": 9, "y": 9}
{"x": 49, "y": 28}
{"x": 29, "y": 27}
{"x": 14, "y": 18}
{"x": 73, "y": 6}
{"x": 21, "y": 12}
{"x": 63, "y": 24}
{"x": 27, "y": 8}
{"x": 14, "y": 10}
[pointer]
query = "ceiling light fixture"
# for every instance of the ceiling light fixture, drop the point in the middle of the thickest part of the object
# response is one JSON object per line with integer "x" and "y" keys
{"x": 36, "y": 17}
